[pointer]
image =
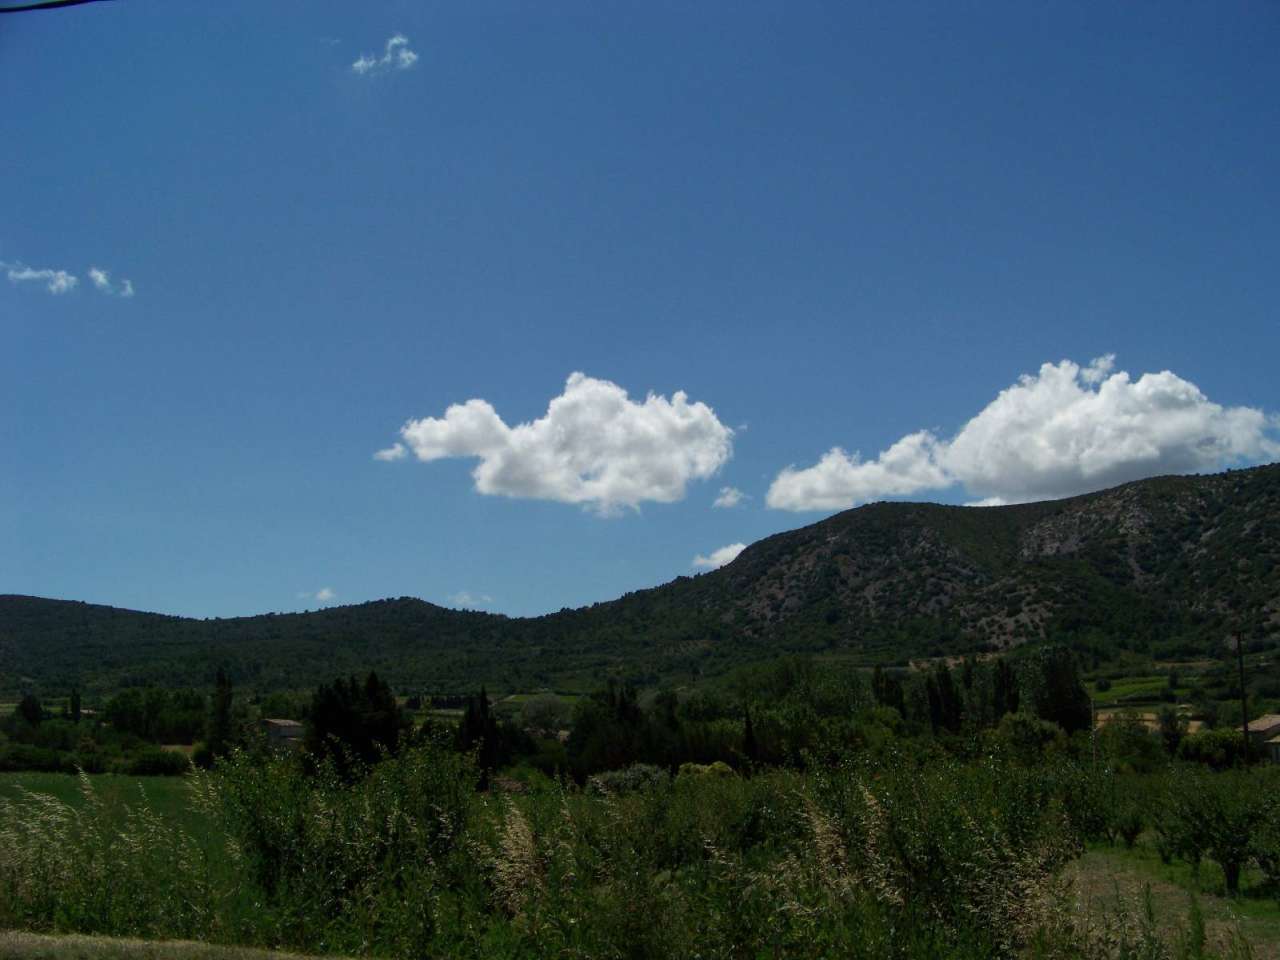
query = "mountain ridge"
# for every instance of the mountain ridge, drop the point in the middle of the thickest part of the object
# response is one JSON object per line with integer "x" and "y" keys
{"x": 1167, "y": 566}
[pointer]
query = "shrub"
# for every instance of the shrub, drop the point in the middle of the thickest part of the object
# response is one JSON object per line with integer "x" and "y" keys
{"x": 158, "y": 763}
{"x": 638, "y": 776}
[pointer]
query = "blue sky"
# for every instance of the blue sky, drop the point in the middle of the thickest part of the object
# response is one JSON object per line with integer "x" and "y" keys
{"x": 837, "y": 231}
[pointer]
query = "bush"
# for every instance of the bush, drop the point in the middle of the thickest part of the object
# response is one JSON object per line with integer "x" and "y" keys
{"x": 638, "y": 776}
{"x": 158, "y": 763}
{"x": 1218, "y": 749}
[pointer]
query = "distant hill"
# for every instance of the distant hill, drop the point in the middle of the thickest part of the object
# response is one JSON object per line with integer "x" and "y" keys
{"x": 1171, "y": 566}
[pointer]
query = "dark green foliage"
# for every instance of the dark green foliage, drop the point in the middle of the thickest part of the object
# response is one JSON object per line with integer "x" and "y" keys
{"x": 1005, "y": 694}
{"x": 74, "y": 707}
{"x": 154, "y": 762}
{"x": 479, "y": 732}
{"x": 158, "y": 715}
{"x": 352, "y": 723}
{"x": 750, "y": 748}
{"x": 1219, "y": 748}
{"x": 1173, "y": 728}
{"x": 1057, "y": 691}
{"x": 30, "y": 710}
{"x": 218, "y": 730}
{"x": 1217, "y": 815}
{"x": 887, "y": 689}
{"x": 945, "y": 713}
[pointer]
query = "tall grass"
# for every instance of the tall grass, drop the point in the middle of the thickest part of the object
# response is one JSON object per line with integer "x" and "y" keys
{"x": 943, "y": 859}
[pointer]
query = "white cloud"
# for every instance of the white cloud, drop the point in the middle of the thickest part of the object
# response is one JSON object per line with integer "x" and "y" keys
{"x": 594, "y": 446}
{"x": 102, "y": 281}
{"x": 468, "y": 601}
{"x": 1063, "y": 431}
{"x": 63, "y": 281}
{"x": 322, "y": 596}
{"x": 396, "y": 451}
{"x": 396, "y": 56}
{"x": 55, "y": 281}
{"x": 839, "y": 479}
{"x": 729, "y": 497}
{"x": 719, "y": 557}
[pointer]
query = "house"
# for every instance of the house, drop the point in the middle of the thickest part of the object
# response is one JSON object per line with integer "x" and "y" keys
{"x": 283, "y": 733}
{"x": 1264, "y": 728}
{"x": 1273, "y": 747}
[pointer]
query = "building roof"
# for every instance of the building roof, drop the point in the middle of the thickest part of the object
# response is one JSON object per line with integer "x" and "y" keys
{"x": 1264, "y": 723}
{"x": 282, "y": 724}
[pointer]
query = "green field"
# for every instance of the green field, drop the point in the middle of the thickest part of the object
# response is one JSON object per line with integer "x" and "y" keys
{"x": 1132, "y": 691}
{"x": 170, "y": 797}
{"x": 1107, "y": 875}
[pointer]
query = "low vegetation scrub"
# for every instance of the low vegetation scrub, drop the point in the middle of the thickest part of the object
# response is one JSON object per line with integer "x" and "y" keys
{"x": 900, "y": 856}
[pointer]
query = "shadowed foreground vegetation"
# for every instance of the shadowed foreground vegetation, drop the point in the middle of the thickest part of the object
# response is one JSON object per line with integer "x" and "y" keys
{"x": 909, "y": 855}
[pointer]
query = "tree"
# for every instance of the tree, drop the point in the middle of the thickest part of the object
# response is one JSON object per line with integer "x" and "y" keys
{"x": 1004, "y": 694}
{"x": 887, "y": 690}
{"x": 944, "y": 700}
{"x": 353, "y": 723}
{"x": 478, "y": 731}
{"x": 750, "y": 749}
{"x": 1173, "y": 727}
{"x": 30, "y": 710}
{"x": 545, "y": 713}
{"x": 1059, "y": 695}
{"x": 218, "y": 729}
{"x": 75, "y": 705}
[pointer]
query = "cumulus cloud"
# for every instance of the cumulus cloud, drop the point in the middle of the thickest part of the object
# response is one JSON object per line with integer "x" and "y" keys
{"x": 594, "y": 446}
{"x": 840, "y": 479}
{"x": 729, "y": 497}
{"x": 719, "y": 558}
{"x": 323, "y": 595}
{"x": 102, "y": 281}
{"x": 1062, "y": 431}
{"x": 468, "y": 601}
{"x": 55, "y": 281}
{"x": 396, "y": 55}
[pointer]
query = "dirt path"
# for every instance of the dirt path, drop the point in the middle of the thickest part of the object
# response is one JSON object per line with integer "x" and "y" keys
{"x": 1103, "y": 879}
{"x": 34, "y": 946}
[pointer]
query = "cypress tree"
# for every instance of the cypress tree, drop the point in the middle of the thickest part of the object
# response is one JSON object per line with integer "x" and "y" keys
{"x": 218, "y": 735}
{"x": 750, "y": 748}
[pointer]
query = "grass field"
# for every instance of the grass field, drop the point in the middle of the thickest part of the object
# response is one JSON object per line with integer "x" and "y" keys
{"x": 166, "y": 795}
{"x": 170, "y": 797}
{"x": 1132, "y": 690}
{"x": 1107, "y": 876}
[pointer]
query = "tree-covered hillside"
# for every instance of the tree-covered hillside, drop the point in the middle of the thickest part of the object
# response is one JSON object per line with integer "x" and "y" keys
{"x": 1173, "y": 567}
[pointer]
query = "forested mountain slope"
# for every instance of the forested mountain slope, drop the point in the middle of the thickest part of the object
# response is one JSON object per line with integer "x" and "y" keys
{"x": 1172, "y": 566}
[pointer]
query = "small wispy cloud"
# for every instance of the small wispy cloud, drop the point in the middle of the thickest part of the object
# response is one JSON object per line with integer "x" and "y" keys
{"x": 470, "y": 601}
{"x": 397, "y": 451}
{"x": 396, "y": 56}
{"x": 719, "y": 558}
{"x": 323, "y": 595}
{"x": 55, "y": 281}
{"x": 64, "y": 281}
{"x": 729, "y": 498}
{"x": 102, "y": 281}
